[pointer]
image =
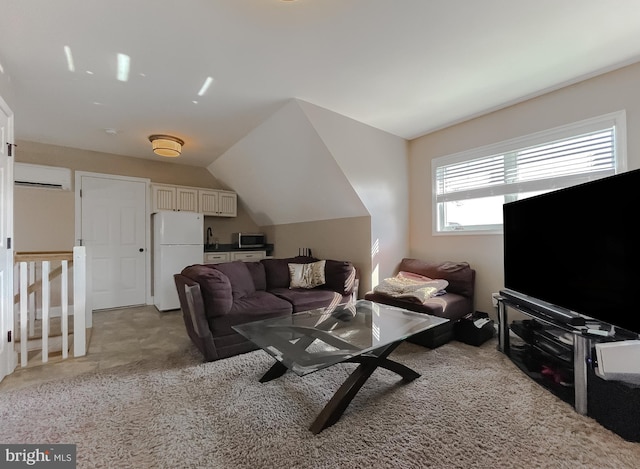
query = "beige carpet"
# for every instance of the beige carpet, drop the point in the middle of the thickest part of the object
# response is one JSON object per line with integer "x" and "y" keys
{"x": 470, "y": 409}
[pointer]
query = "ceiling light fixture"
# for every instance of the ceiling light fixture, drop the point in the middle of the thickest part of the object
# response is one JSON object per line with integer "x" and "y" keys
{"x": 166, "y": 145}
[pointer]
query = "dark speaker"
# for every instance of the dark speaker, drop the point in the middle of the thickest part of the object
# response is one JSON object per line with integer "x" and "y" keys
{"x": 466, "y": 330}
{"x": 615, "y": 405}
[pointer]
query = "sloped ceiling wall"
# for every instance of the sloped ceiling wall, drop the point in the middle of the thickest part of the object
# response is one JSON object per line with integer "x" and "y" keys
{"x": 284, "y": 173}
{"x": 306, "y": 163}
{"x": 376, "y": 165}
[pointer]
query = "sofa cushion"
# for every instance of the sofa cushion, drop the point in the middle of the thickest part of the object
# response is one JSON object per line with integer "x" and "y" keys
{"x": 304, "y": 299}
{"x": 260, "y": 305}
{"x": 340, "y": 276}
{"x": 459, "y": 275}
{"x": 258, "y": 274}
{"x": 214, "y": 287}
{"x": 277, "y": 270}
{"x": 309, "y": 275}
{"x": 450, "y": 305}
{"x": 239, "y": 277}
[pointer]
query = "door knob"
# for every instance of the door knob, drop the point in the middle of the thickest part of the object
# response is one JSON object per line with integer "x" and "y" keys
{"x": 141, "y": 249}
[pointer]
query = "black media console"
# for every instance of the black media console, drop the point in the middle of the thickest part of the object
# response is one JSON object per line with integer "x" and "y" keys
{"x": 556, "y": 352}
{"x": 549, "y": 350}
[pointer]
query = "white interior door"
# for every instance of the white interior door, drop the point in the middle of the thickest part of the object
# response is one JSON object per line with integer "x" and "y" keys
{"x": 113, "y": 229}
{"x": 7, "y": 355}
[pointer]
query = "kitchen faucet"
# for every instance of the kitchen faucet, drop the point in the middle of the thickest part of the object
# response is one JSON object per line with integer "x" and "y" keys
{"x": 209, "y": 233}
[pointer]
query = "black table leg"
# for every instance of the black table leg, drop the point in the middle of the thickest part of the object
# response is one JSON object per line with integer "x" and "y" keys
{"x": 277, "y": 370}
{"x": 336, "y": 406}
{"x": 407, "y": 373}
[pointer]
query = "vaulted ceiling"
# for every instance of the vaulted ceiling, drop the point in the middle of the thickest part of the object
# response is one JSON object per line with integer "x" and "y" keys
{"x": 407, "y": 67}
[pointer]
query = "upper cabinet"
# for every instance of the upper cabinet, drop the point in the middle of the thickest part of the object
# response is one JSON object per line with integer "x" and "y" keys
{"x": 194, "y": 199}
{"x": 187, "y": 199}
{"x": 218, "y": 203}
{"x": 163, "y": 197}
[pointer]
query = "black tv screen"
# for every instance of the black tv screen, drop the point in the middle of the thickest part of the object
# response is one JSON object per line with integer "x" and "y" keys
{"x": 579, "y": 248}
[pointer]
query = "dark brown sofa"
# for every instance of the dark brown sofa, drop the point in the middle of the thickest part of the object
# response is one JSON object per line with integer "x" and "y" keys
{"x": 215, "y": 297}
{"x": 454, "y": 304}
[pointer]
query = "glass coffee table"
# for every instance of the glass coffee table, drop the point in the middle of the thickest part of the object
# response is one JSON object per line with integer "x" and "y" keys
{"x": 359, "y": 332}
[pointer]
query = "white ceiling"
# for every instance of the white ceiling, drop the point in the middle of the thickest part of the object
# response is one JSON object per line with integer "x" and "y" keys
{"x": 404, "y": 66}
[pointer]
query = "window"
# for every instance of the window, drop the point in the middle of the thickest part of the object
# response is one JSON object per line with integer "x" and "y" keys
{"x": 469, "y": 188}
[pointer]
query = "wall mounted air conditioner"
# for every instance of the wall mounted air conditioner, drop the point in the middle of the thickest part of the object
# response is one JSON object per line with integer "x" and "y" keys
{"x": 47, "y": 177}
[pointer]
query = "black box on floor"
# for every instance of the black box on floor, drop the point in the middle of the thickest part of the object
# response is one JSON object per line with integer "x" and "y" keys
{"x": 615, "y": 405}
{"x": 434, "y": 337}
{"x": 474, "y": 329}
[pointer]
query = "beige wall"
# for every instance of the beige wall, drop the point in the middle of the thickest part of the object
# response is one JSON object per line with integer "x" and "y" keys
{"x": 607, "y": 93}
{"x": 344, "y": 239}
{"x": 44, "y": 219}
{"x": 107, "y": 163}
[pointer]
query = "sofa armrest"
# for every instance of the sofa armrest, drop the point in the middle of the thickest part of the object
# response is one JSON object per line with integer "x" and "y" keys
{"x": 215, "y": 288}
{"x": 193, "y": 314}
{"x": 340, "y": 277}
{"x": 460, "y": 275}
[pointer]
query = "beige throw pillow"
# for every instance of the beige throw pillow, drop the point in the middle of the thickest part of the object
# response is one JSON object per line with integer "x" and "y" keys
{"x": 306, "y": 275}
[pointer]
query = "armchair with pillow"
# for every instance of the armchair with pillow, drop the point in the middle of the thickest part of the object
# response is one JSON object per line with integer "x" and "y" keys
{"x": 215, "y": 297}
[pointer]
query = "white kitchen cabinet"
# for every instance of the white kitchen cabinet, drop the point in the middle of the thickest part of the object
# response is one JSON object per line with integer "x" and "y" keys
{"x": 218, "y": 203}
{"x": 216, "y": 257}
{"x": 208, "y": 200}
{"x": 227, "y": 204}
{"x": 177, "y": 198}
{"x": 194, "y": 199}
{"x": 163, "y": 197}
{"x": 186, "y": 199}
{"x": 227, "y": 256}
{"x": 247, "y": 255}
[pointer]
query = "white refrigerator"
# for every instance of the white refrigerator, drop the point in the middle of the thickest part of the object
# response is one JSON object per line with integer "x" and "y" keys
{"x": 177, "y": 243}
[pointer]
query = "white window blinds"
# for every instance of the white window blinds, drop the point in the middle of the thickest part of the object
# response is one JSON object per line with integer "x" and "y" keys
{"x": 557, "y": 164}
{"x": 470, "y": 187}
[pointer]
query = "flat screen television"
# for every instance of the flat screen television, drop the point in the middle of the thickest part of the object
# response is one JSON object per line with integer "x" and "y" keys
{"x": 579, "y": 249}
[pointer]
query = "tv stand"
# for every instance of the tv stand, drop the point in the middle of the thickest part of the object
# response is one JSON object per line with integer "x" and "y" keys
{"x": 565, "y": 358}
{"x": 553, "y": 313}
{"x": 552, "y": 352}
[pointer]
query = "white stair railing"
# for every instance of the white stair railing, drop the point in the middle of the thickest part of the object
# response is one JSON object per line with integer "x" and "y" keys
{"x": 80, "y": 312}
{"x": 30, "y": 284}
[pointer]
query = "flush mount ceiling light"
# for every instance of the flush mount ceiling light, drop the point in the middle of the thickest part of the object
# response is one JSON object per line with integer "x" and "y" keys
{"x": 166, "y": 145}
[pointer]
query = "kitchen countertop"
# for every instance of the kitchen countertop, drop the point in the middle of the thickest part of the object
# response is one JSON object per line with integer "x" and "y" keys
{"x": 232, "y": 247}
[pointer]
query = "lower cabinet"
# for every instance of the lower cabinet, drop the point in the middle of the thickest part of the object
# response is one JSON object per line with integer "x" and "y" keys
{"x": 247, "y": 255}
{"x": 218, "y": 257}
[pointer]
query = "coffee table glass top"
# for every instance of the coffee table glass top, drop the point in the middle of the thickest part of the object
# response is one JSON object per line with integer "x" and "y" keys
{"x": 312, "y": 340}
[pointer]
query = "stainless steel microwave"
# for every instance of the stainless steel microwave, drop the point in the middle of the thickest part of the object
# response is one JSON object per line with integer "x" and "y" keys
{"x": 249, "y": 240}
